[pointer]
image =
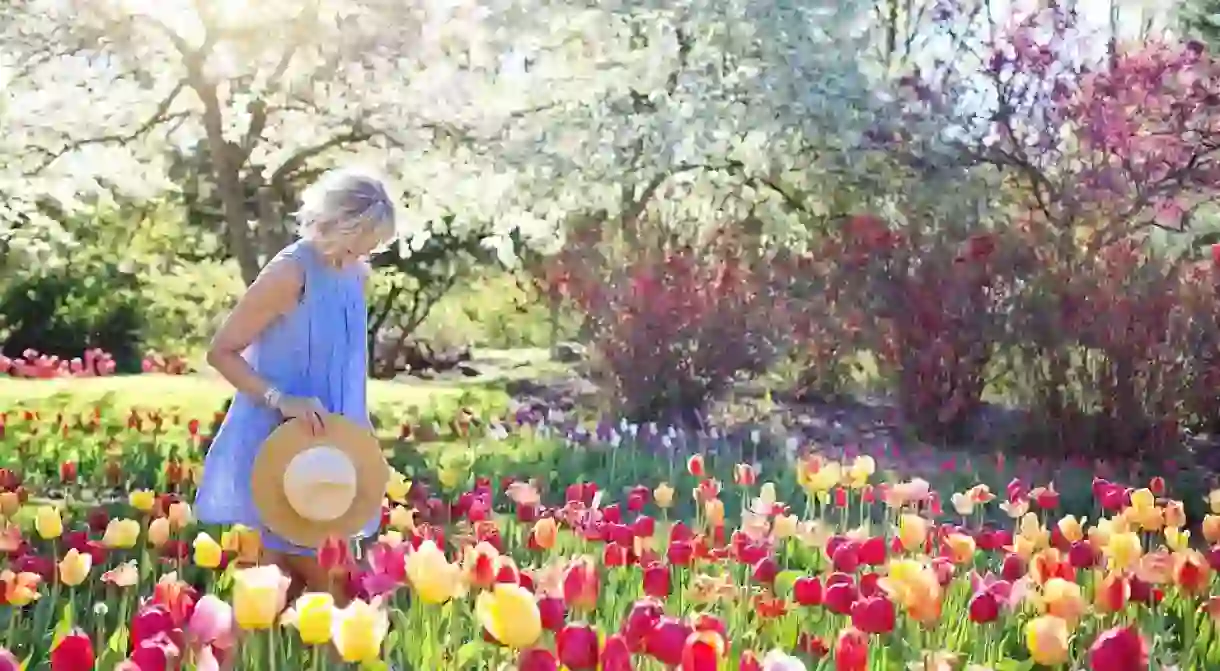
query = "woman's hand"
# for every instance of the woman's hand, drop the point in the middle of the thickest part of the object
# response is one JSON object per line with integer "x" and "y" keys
{"x": 307, "y": 408}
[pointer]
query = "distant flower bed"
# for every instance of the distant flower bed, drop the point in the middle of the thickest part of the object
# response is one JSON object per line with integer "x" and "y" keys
{"x": 34, "y": 365}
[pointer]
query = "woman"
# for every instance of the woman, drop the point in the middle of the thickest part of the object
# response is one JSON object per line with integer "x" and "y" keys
{"x": 295, "y": 348}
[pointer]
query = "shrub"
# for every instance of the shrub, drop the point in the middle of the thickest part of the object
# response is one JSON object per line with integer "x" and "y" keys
{"x": 673, "y": 328}
{"x": 930, "y": 304}
{"x": 67, "y": 310}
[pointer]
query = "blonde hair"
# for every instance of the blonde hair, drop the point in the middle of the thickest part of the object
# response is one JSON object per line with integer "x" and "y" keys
{"x": 345, "y": 203}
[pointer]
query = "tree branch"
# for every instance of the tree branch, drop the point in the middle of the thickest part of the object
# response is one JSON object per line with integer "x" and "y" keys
{"x": 158, "y": 117}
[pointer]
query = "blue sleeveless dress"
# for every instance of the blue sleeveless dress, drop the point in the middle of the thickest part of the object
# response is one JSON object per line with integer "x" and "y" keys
{"x": 318, "y": 349}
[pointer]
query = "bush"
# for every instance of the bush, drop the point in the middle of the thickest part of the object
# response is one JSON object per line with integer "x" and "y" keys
{"x": 673, "y": 328}
{"x": 68, "y": 310}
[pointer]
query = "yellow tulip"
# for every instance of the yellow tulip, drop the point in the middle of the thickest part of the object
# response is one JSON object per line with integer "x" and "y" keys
{"x": 1123, "y": 550}
{"x": 914, "y": 586}
{"x": 258, "y": 596}
{"x": 74, "y": 567}
{"x": 821, "y": 476}
{"x": 158, "y": 532}
{"x": 142, "y": 500}
{"x": 449, "y": 477}
{"x": 1213, "y": 501}
{"x": 862, "y": 468}
{"x": 1177, "y": 539}
{"x": 243, "y": 542}
{"x": 1143, "y": 499}
{"x": 663, "y": 495}
{"x": 208, "y": 552}
{"x": 912, "y": 532}
{"x": 785, "y": 526}
{"x": 313, "y": 617}
{"x": 1175, "y": 514}
{"x": 402, "y": 518}
{"x": 48, "y": 523}
{"x": 1064, "y": 599}
{"x": 1071, "y": 529}
{"x": 510, "y": 614}
{"x": 431, "y": 575}
{"x": 121, "y": 534}
{"x": 398, "y": 487}
{"x": 961, "y": 548}
{"x": 766, "y": 495}
{"x": 358, "y": 631}
{"x": 1032, "y": 530}
{"x": 1046, "y": 637}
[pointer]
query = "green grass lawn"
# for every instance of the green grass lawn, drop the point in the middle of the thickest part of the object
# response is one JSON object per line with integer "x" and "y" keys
{"x": 196, "y": 393}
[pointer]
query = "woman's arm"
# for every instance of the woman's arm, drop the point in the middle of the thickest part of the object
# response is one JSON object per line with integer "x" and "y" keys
{"x": 273, "y": 294}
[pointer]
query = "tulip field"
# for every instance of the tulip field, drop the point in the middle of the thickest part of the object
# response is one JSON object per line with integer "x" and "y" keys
{"x": 527, "y": 542}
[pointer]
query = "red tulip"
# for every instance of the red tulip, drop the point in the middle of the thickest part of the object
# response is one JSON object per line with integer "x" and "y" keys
{"x": 873, "y": 551}
{"x": 709, "y": 622}
{"x": 639, "y": 623}
{"x": 74, "y": 652}
{"x": 616, "y": 655}
{"x": 334, "y": 555}
{"x": 851, "y": 651}
{"x": 840, "y": 597}
{"x": 577, "y": 646}
{"x": 644, "y": 527}
{"x": 846, "y": 557}
{"x": 702, "y": 651}
{"x": 581, "y": 584}
{"x": 537, "y": 659}
{"x": 149, "y": 622}
{"x": 1157, "y": 486}
{"x": 68, "y": 472}
{"x": 656, "y": 581}
{"x": 870, "y": 584}
{"x": 1080, "y": 554}
{"x": 614, "y": 555}
{"x": 1119, "y": 649}
{"x": 694, "y": 466}
{"x": 680, "y": 553}
{"x": 552, "y": 611}
{"x": 1013, "y": 568}
{"x": 667, "y": 640}
{"x": 765, "y": 571}
{"x": 158, "y": 653}
{"x": 984, "y": 607}
{"x": 873, "y": 615}
{"x": 749, "y": 662}
{"x": 807, "y": 591}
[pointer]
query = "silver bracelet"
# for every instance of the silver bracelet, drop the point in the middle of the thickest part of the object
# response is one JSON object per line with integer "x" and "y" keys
{"x": 271, "y": 398}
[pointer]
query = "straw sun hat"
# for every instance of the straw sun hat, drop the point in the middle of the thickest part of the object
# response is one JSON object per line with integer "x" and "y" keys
{"x": 308, "y": 488}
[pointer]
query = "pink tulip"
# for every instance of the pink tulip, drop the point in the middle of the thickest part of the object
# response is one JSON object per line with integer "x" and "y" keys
{"x": 212, "y": 622}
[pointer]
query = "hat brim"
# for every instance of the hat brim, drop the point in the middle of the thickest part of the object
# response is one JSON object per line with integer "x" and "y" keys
{"x": 290, "y": 439}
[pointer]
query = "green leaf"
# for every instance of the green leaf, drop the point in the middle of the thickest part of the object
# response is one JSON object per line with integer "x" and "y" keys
{"x": 118, "y": 640}
{"x": 467, "y": 653}
{"x": 64, "y": 626}
{"x": 784, "y": 582}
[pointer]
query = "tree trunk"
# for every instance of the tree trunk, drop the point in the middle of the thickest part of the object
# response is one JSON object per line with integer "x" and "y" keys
{"x": 226, "y": 165}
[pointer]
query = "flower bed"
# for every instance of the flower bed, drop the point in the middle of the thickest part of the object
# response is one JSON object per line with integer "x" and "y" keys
{"x": 831, "y": 564}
